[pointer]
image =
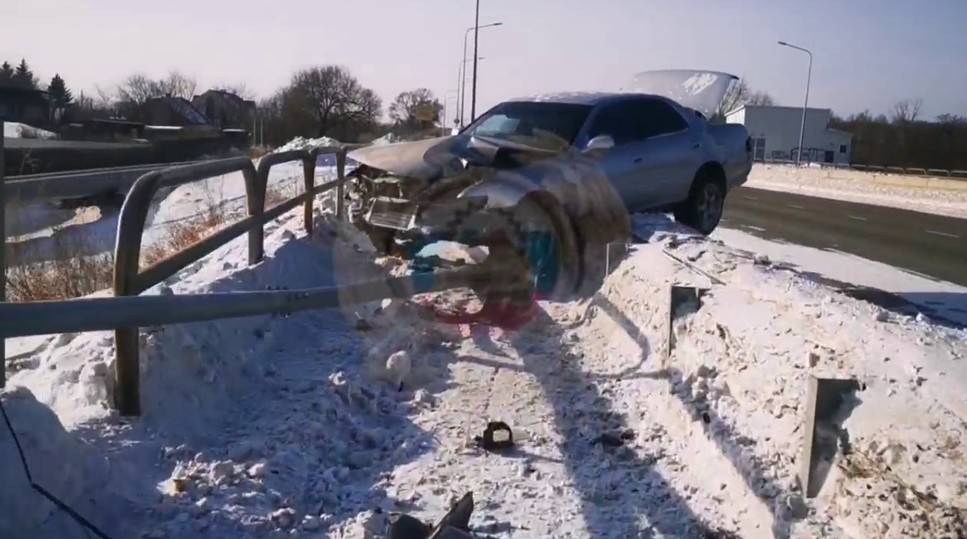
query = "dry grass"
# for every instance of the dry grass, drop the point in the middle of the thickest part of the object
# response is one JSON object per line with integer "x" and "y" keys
{"x": 178, "y": 236}
{"x": 277, "y": 194}
{"x": 186, "y": 233}
{"x": 66, "y": 276}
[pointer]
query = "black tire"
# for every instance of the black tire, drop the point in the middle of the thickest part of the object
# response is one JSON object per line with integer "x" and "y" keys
{"x": 705, "y": 204}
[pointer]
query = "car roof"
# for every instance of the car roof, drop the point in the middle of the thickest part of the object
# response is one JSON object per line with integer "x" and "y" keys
{"x": 581, "y": 98}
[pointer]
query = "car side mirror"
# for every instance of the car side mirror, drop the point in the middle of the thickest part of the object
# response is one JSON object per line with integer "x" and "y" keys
{"x": 599, "y": 143}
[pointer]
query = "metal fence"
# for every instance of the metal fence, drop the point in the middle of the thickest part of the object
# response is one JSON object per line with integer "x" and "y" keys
{"x": 126, "y": 312}
{"x": 909, "y": 171}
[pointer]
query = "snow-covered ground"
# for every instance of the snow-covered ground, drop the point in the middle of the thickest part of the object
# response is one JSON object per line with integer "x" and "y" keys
{"x": 296, "y": 426}
{"x": 903, "y": 192}
{"x": 20, "y": 130}
{"x": 930, "y": 296}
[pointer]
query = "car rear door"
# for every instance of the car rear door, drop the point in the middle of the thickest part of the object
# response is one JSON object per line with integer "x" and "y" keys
{"x": 668, "y": 153}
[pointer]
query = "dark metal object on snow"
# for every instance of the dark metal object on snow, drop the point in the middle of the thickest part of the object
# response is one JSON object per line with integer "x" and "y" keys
{"x": 454, "y": 525}
{"x": 682, "y": 300}
{"x": 828, "y": 402}
{"x": 496, "y": 437}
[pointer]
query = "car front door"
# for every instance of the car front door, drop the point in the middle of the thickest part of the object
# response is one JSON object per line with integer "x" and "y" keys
{"x": 623, "y": 163}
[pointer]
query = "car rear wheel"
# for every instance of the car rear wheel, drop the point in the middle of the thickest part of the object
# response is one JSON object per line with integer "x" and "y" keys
{"x": 706, "y": 202}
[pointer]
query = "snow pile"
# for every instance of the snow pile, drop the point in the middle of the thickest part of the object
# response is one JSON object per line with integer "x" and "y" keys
{"x": 388, "y": 138}
{"x": 20, "y": 130}
{"x": 321, "y": 423}
{"x": 941, "y": 196}
{"x": 302, "y": 143}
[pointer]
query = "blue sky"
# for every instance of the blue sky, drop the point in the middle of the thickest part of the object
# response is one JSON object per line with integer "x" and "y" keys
{"x": 868, "y": 54}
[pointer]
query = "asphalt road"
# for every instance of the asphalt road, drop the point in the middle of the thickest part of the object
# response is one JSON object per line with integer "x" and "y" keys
{"x": 933, "y": 245}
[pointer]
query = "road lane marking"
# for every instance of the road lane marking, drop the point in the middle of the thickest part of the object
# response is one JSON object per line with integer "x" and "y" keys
{"x": 857, "y": 218}
{"x": 795, "y": 206}
{"x": 944, "y": 234}
{"x": 756, "y": 228}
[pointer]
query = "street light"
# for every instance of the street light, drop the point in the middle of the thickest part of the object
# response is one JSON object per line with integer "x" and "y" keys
{"x": 809, "y": 74}
{"x": 463, "y": 68}
{"x": 462, "y": 83}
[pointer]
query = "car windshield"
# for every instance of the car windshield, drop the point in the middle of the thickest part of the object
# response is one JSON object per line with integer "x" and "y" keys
{"x": 538, "y": 124}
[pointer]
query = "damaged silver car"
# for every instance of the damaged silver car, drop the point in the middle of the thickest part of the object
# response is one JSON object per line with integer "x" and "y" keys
{"x": 548, "y": 181}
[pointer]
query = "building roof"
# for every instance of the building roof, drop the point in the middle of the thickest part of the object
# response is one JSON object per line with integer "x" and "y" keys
{"x": 751, "y": 107}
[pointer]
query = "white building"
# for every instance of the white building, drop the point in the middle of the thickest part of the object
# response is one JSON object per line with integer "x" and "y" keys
{"x": 775, "y": 134}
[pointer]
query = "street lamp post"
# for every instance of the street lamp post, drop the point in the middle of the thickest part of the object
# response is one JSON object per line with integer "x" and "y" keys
{"x": 462, "y": 84}
{"x": 809, "y": 75}
{"x": 463, "y": 66}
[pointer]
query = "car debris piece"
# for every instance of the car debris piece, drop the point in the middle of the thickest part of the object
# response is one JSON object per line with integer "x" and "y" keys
{"x": 496, "y": 437}
{"x": 454, "y": 525}
{"x": 828, "y": 402}
{"x": 682, "y": 300}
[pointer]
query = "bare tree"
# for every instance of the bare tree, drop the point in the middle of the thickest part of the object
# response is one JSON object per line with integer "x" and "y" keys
{"x": 907, "y": 110}
{"x": 761, "y": 99}
{"x": 739, "y": 95}
{"x": 240, "y": 89}
{"x": 332, "y": 97}
{"x": 139, "y": 88}
{"x": 415, "y": 109}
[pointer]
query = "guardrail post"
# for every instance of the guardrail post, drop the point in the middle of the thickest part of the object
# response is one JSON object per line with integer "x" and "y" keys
{"x": 127, "y": 254}
{"x": 340, "y": 174}
{"x": 309, "y": 172}
{"x": 255, "y": 185}
{"x": 3, "y": 266}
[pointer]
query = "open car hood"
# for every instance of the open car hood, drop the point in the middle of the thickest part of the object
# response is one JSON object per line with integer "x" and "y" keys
{"x": 432, "y": 158}
{"x": 703, "y": 91}
{"x": 421, "y": 159}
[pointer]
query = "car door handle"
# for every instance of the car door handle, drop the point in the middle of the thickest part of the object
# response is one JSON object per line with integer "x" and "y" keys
{"x": 638, "y": 160}
{"x": 696, "y": 146}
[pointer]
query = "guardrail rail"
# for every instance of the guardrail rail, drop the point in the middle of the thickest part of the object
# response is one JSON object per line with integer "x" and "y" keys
{"x": 126, "y": 312}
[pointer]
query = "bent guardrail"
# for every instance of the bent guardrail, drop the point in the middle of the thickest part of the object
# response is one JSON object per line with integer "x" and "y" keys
{"x": 122, "y": 313}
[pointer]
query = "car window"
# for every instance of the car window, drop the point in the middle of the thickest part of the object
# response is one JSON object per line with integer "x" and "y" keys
{"x": 657, "y": 118}
{"x": 616, "y": 121}
{"x": 529, "y": 120}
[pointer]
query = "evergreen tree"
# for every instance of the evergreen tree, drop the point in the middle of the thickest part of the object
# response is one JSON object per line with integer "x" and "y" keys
{"x": 59, "y": 94}
{"x": 6, "y": 75}
{"x": 23, "y": 77}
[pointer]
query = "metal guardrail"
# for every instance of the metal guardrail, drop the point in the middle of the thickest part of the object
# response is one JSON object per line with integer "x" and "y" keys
{"x": 910, "y": 171}
{"x": 126, "y": 312}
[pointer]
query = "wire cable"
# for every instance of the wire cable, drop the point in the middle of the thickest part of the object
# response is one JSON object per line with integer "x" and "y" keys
{"x": 63, "y": 506}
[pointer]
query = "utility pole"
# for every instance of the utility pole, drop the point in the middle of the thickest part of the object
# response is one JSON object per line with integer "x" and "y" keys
{"x": 476, "y": 33}
{"x": 809, "y": 76}
{"x": 3, "y": 267}
{"x": 462, "y": 77}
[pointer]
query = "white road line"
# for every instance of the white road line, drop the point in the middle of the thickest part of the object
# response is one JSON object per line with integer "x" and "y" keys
{"x": 795, "y": 206}
{"x": 756, "y": 228}
{"x": 856, "y": 218}
{"x": 944, "y": 234}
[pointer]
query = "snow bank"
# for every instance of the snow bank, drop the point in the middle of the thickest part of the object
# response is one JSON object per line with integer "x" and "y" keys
{"x": 942, "y": 196}
{"x": 302, "y": 143}
{"x": 388, "y": 138}
{"x": 19, "y": 130}
{"x": 321, "y": 423}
